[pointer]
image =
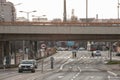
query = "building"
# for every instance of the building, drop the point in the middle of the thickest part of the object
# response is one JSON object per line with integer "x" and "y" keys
{"x": 73, "y": 17}
{"x": 38, "y": 19}
{"x": 7, "y": 11}
{"x": 21, "y": 19}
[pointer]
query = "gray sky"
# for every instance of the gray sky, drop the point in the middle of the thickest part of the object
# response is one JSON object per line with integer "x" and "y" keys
{"x": 54, "y": 8}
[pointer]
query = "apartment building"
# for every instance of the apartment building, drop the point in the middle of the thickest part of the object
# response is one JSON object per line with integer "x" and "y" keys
{"x": 7, "y": 11}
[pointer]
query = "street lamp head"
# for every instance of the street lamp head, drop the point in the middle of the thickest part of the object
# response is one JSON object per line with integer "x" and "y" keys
{"x": 17, "y": 4}
{"x": 44, "y": 15}
{"x": 28, "y": 12}
{"x": 20, "y": 11}
{"x": 34, "y": 11}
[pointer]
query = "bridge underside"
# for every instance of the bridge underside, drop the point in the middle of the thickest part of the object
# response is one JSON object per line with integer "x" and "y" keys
{"x": 60, "y": 37}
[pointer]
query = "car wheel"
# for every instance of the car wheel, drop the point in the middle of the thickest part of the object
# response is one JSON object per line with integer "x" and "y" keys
{"x": 20, "y": 71}
{"x": 33, "y": 71}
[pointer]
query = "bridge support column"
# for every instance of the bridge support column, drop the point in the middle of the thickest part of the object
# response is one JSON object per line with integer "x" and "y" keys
{"x": 110, "y": 51}
{"x": 31, "y": 53}
{"x": 35, "y": 49}
{"x": 1, "y": 53}
{"x": 7, "y": 53}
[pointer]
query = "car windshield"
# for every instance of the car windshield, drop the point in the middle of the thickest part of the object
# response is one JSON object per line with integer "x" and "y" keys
{"x": 27, "y": 62}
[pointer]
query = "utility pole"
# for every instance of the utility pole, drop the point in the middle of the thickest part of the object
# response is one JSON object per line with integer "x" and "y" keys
{"x": 65, "y": 13}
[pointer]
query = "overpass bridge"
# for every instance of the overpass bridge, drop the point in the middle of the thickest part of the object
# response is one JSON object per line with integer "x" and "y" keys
{"x": 36, "y": 31}
{"x": 59, "y": 31}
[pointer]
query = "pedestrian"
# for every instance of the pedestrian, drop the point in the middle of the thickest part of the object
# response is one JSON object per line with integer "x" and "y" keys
{"x": 52, "y": 62}
{"x": 92, "y": 54}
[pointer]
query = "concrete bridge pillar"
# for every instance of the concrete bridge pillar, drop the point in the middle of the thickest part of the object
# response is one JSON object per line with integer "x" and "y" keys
{"x": 33, "y": 50}
{"x": 1, "y": 52}
{"x": 30, "y": 51}
{"x": 7, "y": 52}
{"x": 35, "y": 47}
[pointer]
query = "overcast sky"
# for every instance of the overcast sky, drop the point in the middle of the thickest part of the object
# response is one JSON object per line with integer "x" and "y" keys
{"x": 54, "y": 8}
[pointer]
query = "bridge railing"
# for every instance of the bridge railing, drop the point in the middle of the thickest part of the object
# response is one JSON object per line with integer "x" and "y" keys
{"x": 62, "y": 23}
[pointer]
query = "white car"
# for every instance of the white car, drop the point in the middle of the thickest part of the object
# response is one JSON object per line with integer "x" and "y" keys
{"x": 81, "y": 49}
{"x": 97, "y": 53}
{"x": 26, "y": 65}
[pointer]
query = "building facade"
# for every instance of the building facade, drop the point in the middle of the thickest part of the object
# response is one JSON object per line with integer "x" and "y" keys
{"x": 7, "y": 11}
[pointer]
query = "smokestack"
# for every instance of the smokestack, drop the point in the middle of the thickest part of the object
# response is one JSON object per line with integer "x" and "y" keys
{"x": 65, "y": 13}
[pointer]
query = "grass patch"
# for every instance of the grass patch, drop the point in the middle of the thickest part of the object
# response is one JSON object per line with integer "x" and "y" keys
{"x": 113, "y": 62}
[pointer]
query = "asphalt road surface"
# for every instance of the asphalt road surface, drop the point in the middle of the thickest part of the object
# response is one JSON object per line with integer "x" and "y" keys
{"x": 83, "y": 67}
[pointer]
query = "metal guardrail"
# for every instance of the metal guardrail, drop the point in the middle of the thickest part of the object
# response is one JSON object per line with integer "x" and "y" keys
{"x": 62, "y": 23}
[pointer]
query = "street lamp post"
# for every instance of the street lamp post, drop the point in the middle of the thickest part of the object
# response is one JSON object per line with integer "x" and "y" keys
{"x": 15, "y": 8}
{"x": 65, "y": 12}
{"x": 86, "y": 10}
{"x": 27, "y": 20}
{"x": 118, "y": 9}
{"x": 28, "y": 13}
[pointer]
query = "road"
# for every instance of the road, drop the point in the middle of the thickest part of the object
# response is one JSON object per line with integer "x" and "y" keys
{"x": 83, "y": 67}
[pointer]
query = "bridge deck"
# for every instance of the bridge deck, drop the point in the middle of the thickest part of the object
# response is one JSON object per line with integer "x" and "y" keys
{"x": 59, "y": 31}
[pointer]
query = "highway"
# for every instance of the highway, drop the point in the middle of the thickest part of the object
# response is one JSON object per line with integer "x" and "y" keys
{"x": 83, "y": 67}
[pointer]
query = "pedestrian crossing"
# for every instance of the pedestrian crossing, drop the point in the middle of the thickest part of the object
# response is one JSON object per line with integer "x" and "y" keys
{"x": 113, "y": 78}
{"x": 82, "y": 57}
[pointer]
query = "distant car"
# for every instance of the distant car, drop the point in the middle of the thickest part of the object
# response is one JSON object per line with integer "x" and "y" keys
{"x": 81, "y": 49}
{"x": 61, "y": 49}
{"x": 27, "y": 65}
{"x": 97, "y": 53}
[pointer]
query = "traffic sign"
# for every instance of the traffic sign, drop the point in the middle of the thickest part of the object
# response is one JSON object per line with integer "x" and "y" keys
{"x": 43, "y": 46}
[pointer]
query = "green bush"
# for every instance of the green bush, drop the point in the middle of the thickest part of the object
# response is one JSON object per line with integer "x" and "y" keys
{"x": 113, "y": 62}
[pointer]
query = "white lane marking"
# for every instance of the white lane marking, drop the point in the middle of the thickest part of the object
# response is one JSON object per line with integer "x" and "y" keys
{"x": 91, "y": 76}
{"x": 69, "y": 60}
{"x": 79, "y": 69}
{"x": 61, "y": 67}
{"x": 108, "y": 77}
{"x": 77, "y": 73}
{"x": 111, "y": 78}
{"x": 60, "y": 77}
{"x": 114, "y": 74}
{"x": 75, "y": 76}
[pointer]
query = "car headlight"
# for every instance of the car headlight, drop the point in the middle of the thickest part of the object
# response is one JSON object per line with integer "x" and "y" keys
{"x": 19, "y": 66}
{"x": 31, "y": 66}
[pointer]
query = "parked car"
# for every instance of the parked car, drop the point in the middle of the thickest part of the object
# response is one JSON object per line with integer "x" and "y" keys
{"x": 97, "y": 53}
{"x": 27, "y": 65}
{"x": 118, "y": 54}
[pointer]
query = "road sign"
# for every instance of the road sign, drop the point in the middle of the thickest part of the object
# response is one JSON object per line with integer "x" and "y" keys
{"x": 43, "y": 46}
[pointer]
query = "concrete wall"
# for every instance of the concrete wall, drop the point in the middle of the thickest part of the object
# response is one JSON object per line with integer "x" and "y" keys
{"x": 58, "y": 30}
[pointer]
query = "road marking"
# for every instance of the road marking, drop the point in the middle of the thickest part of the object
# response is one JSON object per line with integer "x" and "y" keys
{"x": 114, "y": 74}
{"x": 61, "y": 67}
{"x": 76, "y": 74}
{"x": 109, "y": 78}
{"x": 60, "y": 77}
{"x": 79, "y": 69}
{"x": 91, "y": 76}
